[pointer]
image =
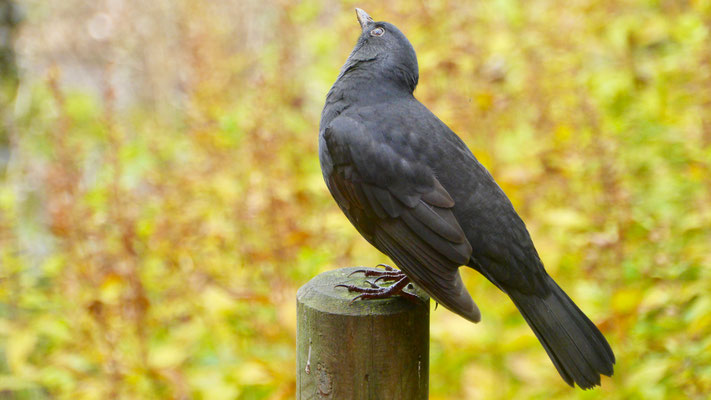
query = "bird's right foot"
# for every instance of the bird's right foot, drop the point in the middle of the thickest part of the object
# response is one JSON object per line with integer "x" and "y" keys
{"x": 389, "y": 274}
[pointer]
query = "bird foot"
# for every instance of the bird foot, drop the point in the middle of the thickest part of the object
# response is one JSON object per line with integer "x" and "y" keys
{"x": 382, "y": 292}
{"x": 389, "y": 274}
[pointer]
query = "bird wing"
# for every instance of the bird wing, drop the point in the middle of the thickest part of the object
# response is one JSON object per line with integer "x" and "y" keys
{"x": 398, "y": 205}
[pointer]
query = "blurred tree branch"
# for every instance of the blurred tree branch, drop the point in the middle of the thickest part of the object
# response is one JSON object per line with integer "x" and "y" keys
{"x": 9, "y": 22}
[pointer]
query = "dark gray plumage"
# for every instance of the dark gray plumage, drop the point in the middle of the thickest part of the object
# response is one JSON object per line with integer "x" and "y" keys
{"x": 415, "y": 191}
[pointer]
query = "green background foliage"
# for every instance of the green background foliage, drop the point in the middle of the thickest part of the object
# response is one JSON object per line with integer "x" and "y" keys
{"x": 161, "y": 199}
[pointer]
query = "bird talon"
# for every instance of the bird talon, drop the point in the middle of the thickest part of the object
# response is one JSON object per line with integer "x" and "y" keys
{"x": 365, "y": 271}
{"x": 356, "y": 298}
{"x": 386, "y": 266}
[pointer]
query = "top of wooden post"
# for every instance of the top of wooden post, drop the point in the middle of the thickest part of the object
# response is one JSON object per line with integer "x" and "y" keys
{"x": 322, "y": 294}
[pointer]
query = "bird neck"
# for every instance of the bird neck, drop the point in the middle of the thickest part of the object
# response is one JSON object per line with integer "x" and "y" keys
{"x": 359, "y": 87}
{"x": 358, "y": 84}
{"x": 366, "y": 82}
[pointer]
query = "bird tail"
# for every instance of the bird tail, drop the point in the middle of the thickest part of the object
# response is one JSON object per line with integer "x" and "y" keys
{"x": 577, "y": 348}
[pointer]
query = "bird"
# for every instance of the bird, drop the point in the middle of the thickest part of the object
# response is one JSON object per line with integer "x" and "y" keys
{"x": 414, "y": 190}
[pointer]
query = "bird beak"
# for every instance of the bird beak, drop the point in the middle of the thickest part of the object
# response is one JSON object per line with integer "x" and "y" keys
{"x": 363, "y": 18}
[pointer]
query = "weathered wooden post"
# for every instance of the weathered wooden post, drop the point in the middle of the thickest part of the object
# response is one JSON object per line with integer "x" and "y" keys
{"x": 371, "y": 349}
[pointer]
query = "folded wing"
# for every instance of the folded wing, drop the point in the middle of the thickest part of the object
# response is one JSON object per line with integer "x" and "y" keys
{"x": 398, "y": 205}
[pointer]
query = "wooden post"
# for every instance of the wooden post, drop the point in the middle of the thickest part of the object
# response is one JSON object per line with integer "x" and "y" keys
{"x": 371, "y": 349}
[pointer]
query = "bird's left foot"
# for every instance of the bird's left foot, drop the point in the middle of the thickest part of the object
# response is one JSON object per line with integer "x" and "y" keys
{"x": 382, "y": 292}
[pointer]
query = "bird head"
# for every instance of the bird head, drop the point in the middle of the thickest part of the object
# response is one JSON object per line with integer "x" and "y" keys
{"x": 386, "y": 50}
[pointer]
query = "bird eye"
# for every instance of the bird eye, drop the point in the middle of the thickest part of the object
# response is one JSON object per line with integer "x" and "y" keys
{"x": 377, "y": 32}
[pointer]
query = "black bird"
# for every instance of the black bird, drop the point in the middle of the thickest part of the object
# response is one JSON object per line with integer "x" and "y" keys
{"x": 415, "y": 191}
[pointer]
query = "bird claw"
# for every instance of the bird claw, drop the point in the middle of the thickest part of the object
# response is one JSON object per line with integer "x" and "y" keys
{"x": 357, "y": 272}
{"x": 386, "y": 266}
{"x": 353, "y": 300}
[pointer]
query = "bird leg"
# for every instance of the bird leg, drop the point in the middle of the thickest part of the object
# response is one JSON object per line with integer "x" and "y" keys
{"x": 382, "y": 292}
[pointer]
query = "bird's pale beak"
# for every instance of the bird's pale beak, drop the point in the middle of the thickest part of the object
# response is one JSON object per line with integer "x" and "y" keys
{"x": 363, "y": 18}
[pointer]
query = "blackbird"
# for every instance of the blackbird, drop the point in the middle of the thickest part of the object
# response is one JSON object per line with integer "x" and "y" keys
{"x": 415, "y": 191}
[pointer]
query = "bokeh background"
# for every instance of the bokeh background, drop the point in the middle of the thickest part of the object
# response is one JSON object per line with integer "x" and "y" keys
{"x": 161, "y": 199}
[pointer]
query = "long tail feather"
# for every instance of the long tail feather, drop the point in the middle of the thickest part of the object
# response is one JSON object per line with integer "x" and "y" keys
{"x": 575, "y": 345}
